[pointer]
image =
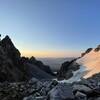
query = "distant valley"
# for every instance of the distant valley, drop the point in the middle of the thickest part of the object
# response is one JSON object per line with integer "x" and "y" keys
{"x": 54, "y": 63}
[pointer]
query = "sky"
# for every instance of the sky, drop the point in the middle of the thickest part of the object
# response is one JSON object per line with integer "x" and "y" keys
{"x": 51, "y": 28}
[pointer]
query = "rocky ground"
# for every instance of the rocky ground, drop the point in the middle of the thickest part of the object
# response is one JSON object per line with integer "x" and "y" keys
{"x": 51, "y": 90}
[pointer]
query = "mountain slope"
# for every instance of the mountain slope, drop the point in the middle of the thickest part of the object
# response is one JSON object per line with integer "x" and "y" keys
{"x": 13, "y": 67}
{"x": 91, "y": 61}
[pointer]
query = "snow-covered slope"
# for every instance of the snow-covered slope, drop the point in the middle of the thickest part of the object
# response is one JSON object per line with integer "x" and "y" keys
{"x": 91, "y": 61}
{"x": 89, "y": 64}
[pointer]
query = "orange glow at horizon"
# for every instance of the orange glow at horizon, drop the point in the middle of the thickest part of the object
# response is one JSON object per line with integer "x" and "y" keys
{"x": 43, "y": 54}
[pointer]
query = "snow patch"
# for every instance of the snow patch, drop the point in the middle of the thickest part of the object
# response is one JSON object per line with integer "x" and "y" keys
{"x": 77, "y": 75}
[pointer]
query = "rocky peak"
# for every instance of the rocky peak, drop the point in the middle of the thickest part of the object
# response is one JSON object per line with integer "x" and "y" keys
{"x": 10, "y": 49}
{"x": 13, "y": 67}
{"x": 7, "y": 41}
{"x": 97, "y": 49}
{"x": 86, "y": 52}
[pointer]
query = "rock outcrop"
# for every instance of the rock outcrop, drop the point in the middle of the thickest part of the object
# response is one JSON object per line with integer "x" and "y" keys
{"x": 97, "y": 49}
{"x": 86, "y": 52}
{"x": 67, "y": 68}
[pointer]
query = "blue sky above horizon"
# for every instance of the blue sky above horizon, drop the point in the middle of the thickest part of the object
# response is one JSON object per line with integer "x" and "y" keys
{"x": 51, "y": 28}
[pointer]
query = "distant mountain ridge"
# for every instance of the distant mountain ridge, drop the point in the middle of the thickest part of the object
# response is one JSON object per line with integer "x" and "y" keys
{"x": 55, "y": 63}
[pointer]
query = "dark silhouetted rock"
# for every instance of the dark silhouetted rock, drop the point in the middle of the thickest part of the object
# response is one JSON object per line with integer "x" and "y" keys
{"x": 67, "y": 68}
{"x": 80, "y": 96}
{"x": 86, "y": 52}
{"x": 13, "y": 67}
{"x": 10, "y": 49}
{"x": 39, "y": 64}
{"x": 97, "y": 49}
{"x": 9, "y": 59}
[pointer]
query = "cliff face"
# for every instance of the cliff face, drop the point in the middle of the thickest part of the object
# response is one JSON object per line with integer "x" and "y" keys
{"x": 13, "y": 67}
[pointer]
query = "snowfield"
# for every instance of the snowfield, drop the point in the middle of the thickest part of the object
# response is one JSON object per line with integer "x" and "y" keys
{"x": 92, "y": 63}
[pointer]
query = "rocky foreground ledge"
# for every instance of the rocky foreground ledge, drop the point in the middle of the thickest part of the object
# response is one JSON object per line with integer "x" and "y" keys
{"x": 51, "y": 90}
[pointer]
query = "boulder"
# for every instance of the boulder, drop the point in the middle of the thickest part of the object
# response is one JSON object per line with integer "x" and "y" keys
{"x": 35, "y": 98}
{"x": 61, "y": 92}
{"x": 82, "y": 88}
{"x": 97, "y": 98}
{"x": 80, "y": 96}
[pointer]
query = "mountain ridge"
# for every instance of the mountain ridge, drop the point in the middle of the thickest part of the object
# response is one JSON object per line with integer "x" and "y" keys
{"x": 13, "y": 66}
{"x": 90, "y": 60}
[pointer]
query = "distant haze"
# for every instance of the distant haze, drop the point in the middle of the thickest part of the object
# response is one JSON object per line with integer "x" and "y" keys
{"x": 54, "y": 63}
